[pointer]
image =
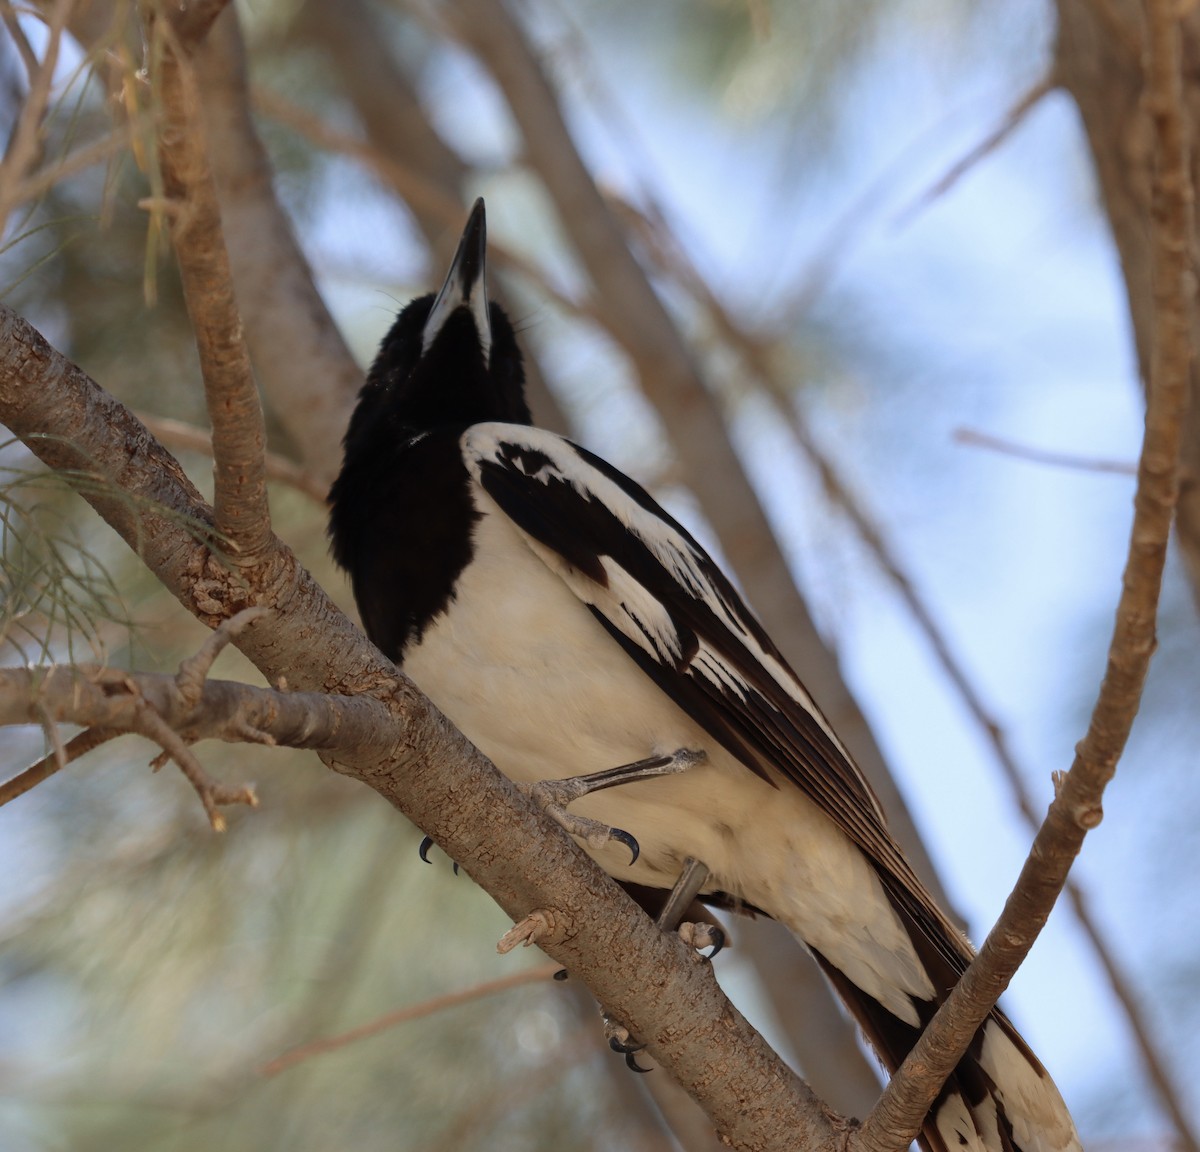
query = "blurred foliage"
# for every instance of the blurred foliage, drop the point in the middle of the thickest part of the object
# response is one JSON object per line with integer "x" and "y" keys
{"x": 57, "y": 598}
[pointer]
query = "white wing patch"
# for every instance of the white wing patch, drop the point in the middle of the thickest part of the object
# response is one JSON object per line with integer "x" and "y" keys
{"x": 625, "y": 600}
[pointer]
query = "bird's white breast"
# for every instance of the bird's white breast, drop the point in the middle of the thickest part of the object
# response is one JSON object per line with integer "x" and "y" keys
{"x": 523, "y": 668}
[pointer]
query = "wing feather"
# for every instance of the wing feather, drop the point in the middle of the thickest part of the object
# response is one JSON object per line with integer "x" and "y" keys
{"x": 673, "y": 611}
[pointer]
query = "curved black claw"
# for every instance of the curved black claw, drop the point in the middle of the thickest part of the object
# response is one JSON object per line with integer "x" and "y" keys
{"x": 423, "y": 852}
{"x": 632, "y": 1064}
{"x": 635, "y": 851}
{"x": 629, "y": 1051}
{"x": 719, "y": 941}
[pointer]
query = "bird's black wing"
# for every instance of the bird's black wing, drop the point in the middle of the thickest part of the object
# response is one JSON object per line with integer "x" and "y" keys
{"x": 664, "y": 600}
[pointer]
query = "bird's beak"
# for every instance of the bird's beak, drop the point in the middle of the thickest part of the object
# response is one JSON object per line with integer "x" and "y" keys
{"x": 466, "y": 285}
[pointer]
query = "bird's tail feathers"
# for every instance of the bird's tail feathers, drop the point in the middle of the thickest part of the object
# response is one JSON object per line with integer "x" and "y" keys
{"x": 998, "y": 1099}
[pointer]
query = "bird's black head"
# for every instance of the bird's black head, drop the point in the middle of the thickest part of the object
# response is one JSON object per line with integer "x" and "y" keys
{"x": 449, "y": 361}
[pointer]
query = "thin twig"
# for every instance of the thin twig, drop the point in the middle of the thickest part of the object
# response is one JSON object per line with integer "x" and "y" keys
{"x": 194, "y": 670}
{"x": 74, "y": 162}
{"x": 1077, "y": 806}
{"x": 1042, "y": 455}
{"x": 28, "y": 56}
{"x": 382, "y": 1023}
{"x": 211, "y": 793}
{"x": 1012, "y": 120}
{"x": 77, "y": 746}
{"x": 189, "y": 685}
{"x": 25, "y": 142}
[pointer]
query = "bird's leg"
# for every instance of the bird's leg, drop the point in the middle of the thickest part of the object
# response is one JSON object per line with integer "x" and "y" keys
{"x": 687, "y": 888}
{"x": 693, "y": 877}
{"x": 553, "y": 796}
{"x": 699, "y": 934}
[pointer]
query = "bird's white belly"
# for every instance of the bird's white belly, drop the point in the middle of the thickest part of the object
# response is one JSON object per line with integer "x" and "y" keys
{"x": 547, "y": 706}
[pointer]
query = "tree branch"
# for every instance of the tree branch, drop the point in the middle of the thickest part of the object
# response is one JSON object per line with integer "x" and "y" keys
{"x": 1099, "y": 56}
{"x": 647, "y": 979}
{"x": 1013, "y": 119}
{"x": 100, "y": 697}
{"x": 400, "y": 1016}
{"x": 239, "y": 437}
{"x": 1054, "y": 459}
{"x": 308, "y": 375}
{"x": 1077, "y": 807}
{"x": 77, "y": 746}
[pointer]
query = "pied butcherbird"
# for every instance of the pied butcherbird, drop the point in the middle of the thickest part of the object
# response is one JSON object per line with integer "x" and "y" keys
{"x": 567, "y": 625}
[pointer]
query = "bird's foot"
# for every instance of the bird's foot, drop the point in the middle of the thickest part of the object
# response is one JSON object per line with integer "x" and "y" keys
{"x": 701, "y": 935}
{"x": 621, "y": 1042}
{"x": 553, "y": 796}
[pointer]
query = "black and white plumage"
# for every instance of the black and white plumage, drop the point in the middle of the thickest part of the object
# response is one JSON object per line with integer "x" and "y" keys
{"x": 567, "y": 624}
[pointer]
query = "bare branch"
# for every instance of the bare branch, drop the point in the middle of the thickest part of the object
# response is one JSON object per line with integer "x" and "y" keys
{"x": 25, "y": 144}
{"x": 400, "y": 1016}
{"x": 79, "y": 160}
{"x": 212, "y": 794}
{"x": 110, "y": 698}
{"x": 110, "y": 701}
{"x": 239, "y": 438}
{"x": 32, "y": 776}
{"x": 28, "y": 57}
{"x": 307, "y": 373}
{"x": 1011, "y": 122}
{"x": 1077, "y": 806}
{"x": 1041, "y": 455}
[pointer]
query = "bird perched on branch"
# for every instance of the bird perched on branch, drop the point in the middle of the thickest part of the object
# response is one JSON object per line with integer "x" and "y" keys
{"x": 570, "y": 627}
